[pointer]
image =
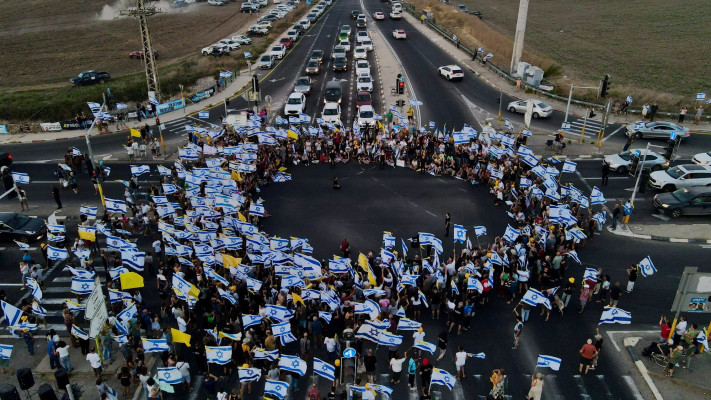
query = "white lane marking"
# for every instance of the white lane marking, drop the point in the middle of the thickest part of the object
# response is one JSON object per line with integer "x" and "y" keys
{"x": 430, "y": 213}
{"x": 612, "y": 134}
{"x": 609, "y": 177}
{"x": 633, "y": 387}
{"x": 580, "y": 176}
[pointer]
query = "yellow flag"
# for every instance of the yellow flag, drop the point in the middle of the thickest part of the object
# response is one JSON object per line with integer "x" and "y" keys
{"x": 363, "y": 263}
{"x": 380, "y": 125}
{"x": 297, "y": 299}
{"x": 180, "y": 337}
{"x": 230, "y": 261}
{"x": 86, "y": 235}
{"x": 130, "y": 280}
{"x": 236, "y": 176}
{"x": 282, "y": 169}
{"x": 292, "y": 135}
{"x": 241, "y": 217}
{"x": 135, "y": 132}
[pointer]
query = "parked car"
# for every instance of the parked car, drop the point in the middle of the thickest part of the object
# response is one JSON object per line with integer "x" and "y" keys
{"x": 656, "y": 130}
{"x": 266, "y": 62}
{"x": 242, "y": 39}
{"x": 265, "y": 24}
{"x": 313, "y": 67}
{"x": 303, "y": 85}
{"x": 365, "y": 83}
{"x": 179, "y": 3}
{"x": 248, "y": 7}
{"x": 14, "y": 226}
{"x": 360, "y": 53}
{"x": 317, "y": 54}
{"x": 331, "y": 113}
{"x": 287, "y": 42}
{"x": 451, "y": 72}
{"x": 462, "y": 7}
{"x": 623, "y": 162}
{"x": 681, "y": 176}
{"x": 299, "y": 29}
{"x": 340, "y": 63}
{"x": 363, "y": 99}
{"x": 702, "y": 158}
{"x": 255, "y": 30}
{"x": 139, "y": 54}
{"x": 216, "y": 2}
{"x": 399, "y": 34}
{"x": 278, "y": 51}
{"x": 295, "y": 104}
{"x": 215, "y": 51}
{"x": 90, "y": 77}
{"x": 305, "y": 23}
{"x": 293, "y": 35}
{"x": 693, "y": 201}
{"x": 540, "y": 109}
{"x": 379, "y": 16}
{"x": 230, "y": 44}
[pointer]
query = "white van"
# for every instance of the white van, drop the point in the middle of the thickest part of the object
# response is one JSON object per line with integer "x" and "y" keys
{"x": 681, "y": 176}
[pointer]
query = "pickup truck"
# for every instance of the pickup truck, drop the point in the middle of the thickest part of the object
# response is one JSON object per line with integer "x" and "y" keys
{"x": 90, "y": 77}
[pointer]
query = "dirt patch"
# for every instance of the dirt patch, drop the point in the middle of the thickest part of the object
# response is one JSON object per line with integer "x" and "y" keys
{"x": 45, "y": 42}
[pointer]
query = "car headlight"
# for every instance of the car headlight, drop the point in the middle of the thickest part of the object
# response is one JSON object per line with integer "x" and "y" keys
{"x": 665, "y": 205}
{"x": 30, "y": 232}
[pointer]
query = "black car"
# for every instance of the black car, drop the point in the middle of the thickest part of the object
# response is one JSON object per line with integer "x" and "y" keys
{"x": 690, "y": 201}
{"x": 360, "y": 23}
{"x": 318, "y": 55}
{"x": 14, "y": 226}
{"x": 217, "y": 52}
{"x": 90, "y": 78}
{"x": 355, "y": 14}
{"x": 340, "y": 64}
{"x": 299, "y": 29}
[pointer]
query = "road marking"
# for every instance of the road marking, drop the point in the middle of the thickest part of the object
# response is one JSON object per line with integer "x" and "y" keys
{"x": 413, "y": 204}
{"x": 431, "y": 213}
{"x": 662, "y": 217}
{"x": 10, "y": 284}
{"x": 609, "y": 177}
{"x": 587, "y": 185}
{"x": 705, "y": 246}
{"x": 612, "y": 339}
{"x": 633, "y": 387}
{"x": 612, "y": 134}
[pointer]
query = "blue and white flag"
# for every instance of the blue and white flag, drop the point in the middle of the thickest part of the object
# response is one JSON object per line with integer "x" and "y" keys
{"x": 82, "y": 286}
{"x": 5, "y": 351}
{"x": 369, "y": 307}
{"x": 74, "y": 307}
{"x": 477, "y": 355}
{"x": 169, "y": 375}
{"x": 614, "y": 315}
{"x": 293, "y": 364}
{"x": 225, "y": 74}
{"x": 20, "y": 177}
{"x": 548, "y": 362}
{"x": 256, "y": 209}
{"x": 34, "y": 288}
{"x": 249, "y": 374}
{"x": 408, "y": 279}
{"x": 117, "y": 206}
{"x": 569, "y": 166}
{"x": 646, "y": 267}
{"x": 281, "y": 329}
{"x": 56, "y": 253}
{"x": 261, "y": 354}
{"x": 388, "y": 339}
{"x": 38, "y": 309}
{"x": 590, "y": 274}
{"x": 278, "y": 312}
{"x": 460, "y": 234}
{"x": 12, "y": 314}
{"x": 218, "y": 354}
{"x": 474, "y": 284}
{"x": 250, "y": 320}
{"x": 703, "y": 340}
{"x": 574, "y": 255}
{"x": 154, "y": 345}
{"x": 138, "y": 170}
{"x": 426, "y": 346}
{"x": 368, "y": 331}
{"x": 134, "y": 259}
{"x": 277, "y": 389}
{"x": 596, "y": 197}
{"x": 533, "y": 298}
{"x": 442, "y": 377}
{"x": 325, "y": 315}
{"x": 324, "y": 369}
{"x": 386, "y": 390}
{"x": 88, "y": 211}
{"x": 700, "y": 96}
{"x": 511, "y": 234}
{"x": 480, "y": 230}
{"x": 406, "y": 324}
{"x": 78, "y": 333}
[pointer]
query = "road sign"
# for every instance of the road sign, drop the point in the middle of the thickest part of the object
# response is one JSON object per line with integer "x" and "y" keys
{"x": 349, "y": 353}
{"x": 96, "y": 309}
{"x": 566, "y": 125}
{"x": 529, "y": 113}
{"x": 694, "y": 292}
{"x": 673, "y": 135}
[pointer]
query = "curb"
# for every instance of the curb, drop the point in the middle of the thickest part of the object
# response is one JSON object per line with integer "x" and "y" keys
{"x": 629, "y": 343}
{"x": 624, "y": 231}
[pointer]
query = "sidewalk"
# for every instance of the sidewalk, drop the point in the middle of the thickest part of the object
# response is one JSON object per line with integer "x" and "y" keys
{"x": 693, "y": 233}
{"x": 388, "y": 69}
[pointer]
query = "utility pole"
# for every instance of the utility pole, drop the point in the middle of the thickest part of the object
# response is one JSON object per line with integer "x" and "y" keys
{"x": 570, "y": 97}
{"x": 640, "y": 168}
{"x": 142, "y": 12}
{"x": 520, "y": 33}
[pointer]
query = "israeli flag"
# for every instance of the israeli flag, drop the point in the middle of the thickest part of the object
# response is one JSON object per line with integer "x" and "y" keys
{"x": 525, "y": 151}
{"x": 56, "y": 253}
{"x": 574, "y": 255}
{"x": 278, "y": 312}
{"x": 82, "y": 286}
{"x": 134, "y": 259}
{"x": 261, "y": 354}
{"x": 281, "y": 329}
{"x": 548, "y": 362}
{"x": 225, "y": 74}
{"x": 324, "y": 369}
{"x": 218, "y": 354}
{"x": 387, "y": 339}
{"x": 511, "y": 234}
{"x": 442, "y": 377}
{"x": 256, "y": 209}
{"x": 310, "y": 265}
{"x": 460, "y": 138}
{"x": 533, "y": 298}
{"x": 12, "y": 313}
{"x": 590, "y": 274}
{"x": 596, "y": 197}
{"x": 701, "y": 338}
{"x": 138, "y": 170}
{"x": 277, "y": 389}
{"x": 646, "y": 267}
{"x": 368, "y": 307}
{"x": 293, "y": 364}
{"x": 700, "y": 96}
{"x": 577, "y": 233}
{"x": 20, "y": 177}
{"x": 37, "y": 309}
{"x": 480, "y": 230}
{"x": 74, "y": 307}
{"x": 251, "y": 320}
{"x": 169, "y": 375}
{"x": 369, "y": 331}
{"x": 426, "y": 346}
{"x": 481, "y": 356}
{"x": 509, "y": 125}
{"x": 474, "y": 284}
{"x": 78, "y": 333}
{"x": 460, "y": 234}
{"x": 127, "y": 313}
{"x": 88, "y": 211}
{"x": 325, "y": 315}
{"x": 249, "y": 374}
{"x": 406, "y": 324}
{"x": 614, "y": 315}
{"x": 569, "y": 166}
{"x": 5, "y": 351}
{"x": 35, "y": 288}
{"x": 385, "y": 390}
{"x": 117, "y": 206}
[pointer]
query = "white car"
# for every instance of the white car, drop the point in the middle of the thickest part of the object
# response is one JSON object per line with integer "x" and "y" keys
{"x": 360, "y": 53}
{"x": 396, "y": 6}
{"x": 379, "y": 16}
{"x": 399, "y": 34}
{"x": 278, "y": 51}
{"x": 362, "y": 67}
{"x": 338, "y": 51}
{"x": 366, "y": 116}
{"x": 331, "y": 113}
{"x": 206, "y": 50}
{"x": 305, "y": 23}
{"x": 361, "y": 36}
{"x": 230, "y": 44}
{"x": 265, "y": 24}
{"x": 346, "y": 44}
{"x": 395, "y": 15}
{"x": 368, "y": 44}
{"x": 266, "y": 62}
{"x": 216, "y": 2}
{"x": 622, "y": 162}
{"x": 681, "y": 176}
{"x": 295, "y": 104}
{"x": 702, "y": 158}
{"x": 451, "y": 72}
{"x": 365, "y": 83}
{"x": 540, "y": 109}
{"x": 293, "y": 35}
{"x": 242, "y": 39}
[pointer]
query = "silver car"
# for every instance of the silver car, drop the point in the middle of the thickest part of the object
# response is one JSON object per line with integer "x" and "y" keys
{"x": 303, "y": 85}
{"x": 622, "y": 162}
{"x": 656, "y": 130}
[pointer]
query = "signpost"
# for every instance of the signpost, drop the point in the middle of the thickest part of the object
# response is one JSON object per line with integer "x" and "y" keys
{"x": 96, "y": 310}
{"x": 529, "y": 113}
{"x": 693, "y": 295}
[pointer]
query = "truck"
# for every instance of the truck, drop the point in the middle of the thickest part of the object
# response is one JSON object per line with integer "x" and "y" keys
{"x": 90, "y": 77}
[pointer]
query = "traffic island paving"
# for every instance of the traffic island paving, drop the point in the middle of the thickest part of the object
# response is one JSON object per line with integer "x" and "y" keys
{"x": 674, "y": 233}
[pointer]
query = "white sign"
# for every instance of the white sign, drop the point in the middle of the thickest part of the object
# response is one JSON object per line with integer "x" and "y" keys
{"x": 51, "y": 126}
{"x": 96, "y": 309}
{"x": 204, "y": 114}
{"x": 529, "y": 113}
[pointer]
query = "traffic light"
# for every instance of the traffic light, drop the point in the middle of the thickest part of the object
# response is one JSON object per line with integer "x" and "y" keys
{"x": 605, "y": 86}
{"x": 400, "y": 84}
{"x": 255, "y": 84}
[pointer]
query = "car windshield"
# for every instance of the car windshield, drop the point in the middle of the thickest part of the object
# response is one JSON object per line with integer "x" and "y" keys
{"x": 675, "y": 172}
{"x": 266, "y": 58}
{"x": 302, "y": 81}
{"x": 362, "y": 64}
{"x": 366, "y": 114}
{"x": 542, "y": 105}
{"x": 365, "y": 79}
{"x": 81, "y": 74}
{"x": 317, "y": 54}
{"x": 683, "y": 195}
{"x": 625, "y": 155}
{"x": 17, "y": 221}
{"x": 363, "y": 97}
{"x": 340, "y": 60}
{"x": 294, "y": 100}
{"x": 330, "y": 111}
{"x": 312, "y": 64}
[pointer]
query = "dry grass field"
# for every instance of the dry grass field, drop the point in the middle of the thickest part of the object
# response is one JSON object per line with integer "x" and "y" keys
{"x": 655, "y": 49}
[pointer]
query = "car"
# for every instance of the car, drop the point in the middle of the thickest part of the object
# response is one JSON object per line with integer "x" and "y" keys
{"x": 339, "y": 51}
{"x": 293, "y": 35}
{"x": 362, "y": 66}
{"x": 399, "y": 34}
{"x": 139, "y": 54}
{"x": 265, "y": 62}
{"x": 265, "y": 24}
{"x": 278, "y": 51}
{"x": 363, "y": 99}
{"x": 396, "y": 6}
{"x": 462, "y": 7}
{"x": 361, "y": 36}
{"x": 702, "y": 158}
{"x": 215, "y": 51}
{"x": 340, "y": 63}
{"x": 540, "y": 109}
{"x": 681, "y": 176}
{"x": 286, "y": 42}
{"x": 269, "y": 18}
{"x": 360, "y": 23}
{"x": 331, "y": 113}
{"x": 317, "y": 54}
{"x": 242, "y": 39}
{"x": 346, "y": 28}
{"x": 345, "y": 44}
{"x": 368, "y": 44}
{"x": 14, "y": 226}
{"x": 451, "y": 72}
{"x": 311, "y": 17}
{"x": 378, "y": 16}
{"x": 656, "y": 130}
{"x": 624, "y": 161}
{"x": 313, "y": 67}
{"x": 299, "y": 29}
{"x": 255, "y": 30}
{"x": 295, "y": 104}
{"x": 277, "y": 13}
{"x": 355, "y": 14}
{"x": 395, "y": 15}
{"x": 179, "y": 3}
{"x": 476, "y": 13}
{"x": 693, "y": 201}
{"x": 90, "y": 77}
{"x": 248, "y": 7}
{"x": 360, "y": 53}
{"x": 305, "y": 23}
{"x": 230, "y": 44}
{"x": 5, "y": 159}
{"x": 366, "y": 116}
{"x": 216, "y": 2}
{"x": 303, "y": 85}
{"x": 365, "y": 83}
